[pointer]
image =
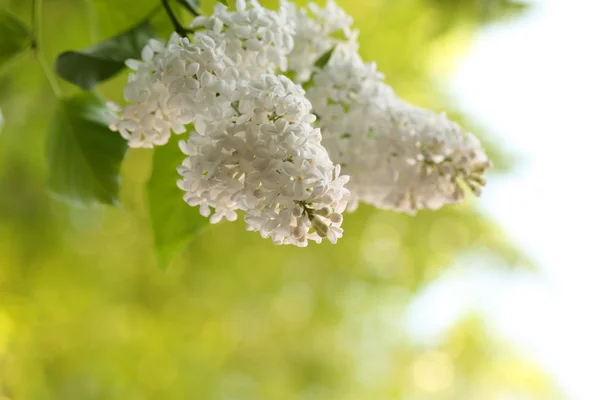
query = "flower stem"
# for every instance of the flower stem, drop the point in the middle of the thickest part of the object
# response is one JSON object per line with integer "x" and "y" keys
{"x": 188, "y": 7}
{"x": 36, "y": 46}
{"x": 181, "y": 31}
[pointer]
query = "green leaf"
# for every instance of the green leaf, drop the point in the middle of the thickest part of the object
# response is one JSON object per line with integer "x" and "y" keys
{"x": 84, "y": 156}
{"x": 224, "y": 2}
{"x": 14, "y": 36}
{"x": 324, "y": 59}
{"x": 173, "y": 221}
{"x": 89, "y": 67}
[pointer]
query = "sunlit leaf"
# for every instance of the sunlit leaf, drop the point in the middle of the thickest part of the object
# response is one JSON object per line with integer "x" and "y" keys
{"x": 84, "y": 156}
{"x": 173, "y": 221}
{"x": 14, "y": 36}
{"x": 89, "y": 67}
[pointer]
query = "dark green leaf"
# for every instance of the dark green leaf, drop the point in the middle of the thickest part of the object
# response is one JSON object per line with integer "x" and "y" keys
{"x": 84, "y": 156}
{"x": 324, "y": 59}
{"x": 224, "y": 2}
{"x": 93, "y": 65}
{"x": 173, "y": 221}
{"x": 14, "y": 36}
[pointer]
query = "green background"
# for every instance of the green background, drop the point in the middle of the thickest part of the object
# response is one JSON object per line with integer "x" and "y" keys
{"x": 85, "y": 312}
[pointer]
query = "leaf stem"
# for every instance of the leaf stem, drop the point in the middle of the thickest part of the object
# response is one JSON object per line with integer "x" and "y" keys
{"x": 181, "y": 31}
{"x": 36, "y": 46}
{"x": 188, "y": 7}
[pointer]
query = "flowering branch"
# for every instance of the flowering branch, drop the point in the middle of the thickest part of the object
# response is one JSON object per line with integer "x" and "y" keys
{"x": 256, "y": 145}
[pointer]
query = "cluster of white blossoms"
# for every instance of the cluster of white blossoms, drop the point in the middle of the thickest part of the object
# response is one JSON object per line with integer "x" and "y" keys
{"x": 266, "y": 160}
{"x": 259, "y": 144}
{"x": 186, "y": 80}
{"x": 399, "y": 156}
{"x": 254, "y": 147}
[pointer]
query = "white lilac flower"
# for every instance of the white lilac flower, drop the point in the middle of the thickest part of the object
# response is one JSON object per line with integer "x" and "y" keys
{"x": 254, "y": 148}
{"x": 171, "y": 87}
{"x": 399, "y": 156}
{"x": 420, "y": 162}
{"x": 258, "y": 40}
{"x": 184, "y": 80}
{"x": 317, "y": 30}
{"x": 266, "y": 160}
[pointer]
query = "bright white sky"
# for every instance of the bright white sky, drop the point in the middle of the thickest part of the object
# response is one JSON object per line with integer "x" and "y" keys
{"x": 536, "y": 84}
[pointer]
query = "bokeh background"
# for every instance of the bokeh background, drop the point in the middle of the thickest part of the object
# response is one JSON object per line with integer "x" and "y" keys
{"x": 491, "y": 300}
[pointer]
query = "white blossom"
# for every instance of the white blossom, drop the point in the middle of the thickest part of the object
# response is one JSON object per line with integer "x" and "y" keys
{"x": 399, "y": 156}
{"x": 317, "y": 30}
{"x": 259, "y": 144}
{"x": 266, "y": 160}
{"x": 171, "y": 86}
{"x": 253, "y": 147}
{"x": 256, "y": 39}
{"x": 176, "y": 83}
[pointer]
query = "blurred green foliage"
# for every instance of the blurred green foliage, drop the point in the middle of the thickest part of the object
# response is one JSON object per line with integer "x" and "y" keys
{"x": 86, "y": 314}
{"x": 15, "y": 36}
